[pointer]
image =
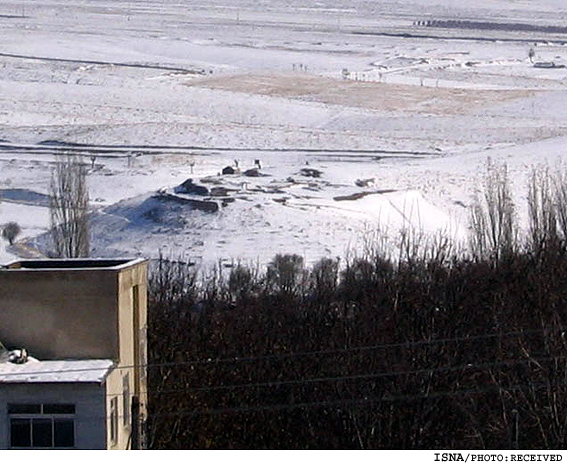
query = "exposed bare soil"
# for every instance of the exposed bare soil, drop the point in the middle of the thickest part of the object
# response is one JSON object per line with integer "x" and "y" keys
{"x": 371, "y": 95}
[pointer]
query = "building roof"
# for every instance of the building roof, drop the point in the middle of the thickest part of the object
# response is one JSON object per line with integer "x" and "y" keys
{"x": 63, "y": 371}
{"x": 71, "y": 264}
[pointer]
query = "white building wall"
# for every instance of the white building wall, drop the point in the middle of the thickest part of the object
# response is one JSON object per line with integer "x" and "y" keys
{"x": 88, "y": 398}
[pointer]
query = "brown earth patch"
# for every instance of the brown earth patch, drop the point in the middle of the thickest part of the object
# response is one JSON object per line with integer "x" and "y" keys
{"x": 371, "y": 95}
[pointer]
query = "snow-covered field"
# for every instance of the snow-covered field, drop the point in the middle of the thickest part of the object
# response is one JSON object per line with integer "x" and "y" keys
{"x": 361, "y": 117}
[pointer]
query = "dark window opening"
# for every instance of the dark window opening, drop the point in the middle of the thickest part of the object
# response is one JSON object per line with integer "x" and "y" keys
{"x": 126, "y": 399}
{"x": 58, "y": 409}
{"x": 42, "y": 433}
{"x": 64, "y": 435}
{"x": 114, "y": 420}
{"x": 20, "y": 433}
{"x": 42, "y": 426}
{"x": 24, "y": 409}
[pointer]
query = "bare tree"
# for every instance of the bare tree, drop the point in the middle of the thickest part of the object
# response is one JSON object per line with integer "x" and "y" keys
{"x": 542, "y": 209}
{"x": 68, "y": 209}
{"x": 493, "y": 216}
{"x": 560, "y": 192}
{"x": 286, "y": 273}
{"x": 10, "y": 231}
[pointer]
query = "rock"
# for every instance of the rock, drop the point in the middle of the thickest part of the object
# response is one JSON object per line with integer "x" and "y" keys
{"x": 363, "y": 183}
{"x": 253, "y": 172}
{"x": 219, "y": 191}
{"x": 227, "y": 200}
{"x": 189, "y": 187}
{"x": 228, "y": 170}
{"x": 547, "y": 65}
{"x": 310, "y": 172}
{"x": 205, "y": 206}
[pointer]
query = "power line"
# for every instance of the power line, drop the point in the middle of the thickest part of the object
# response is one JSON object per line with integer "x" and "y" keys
{"x": 346, "y": 402}
{"x": 338, "y": 402}
{"x": 266, "y": 357}
{"x": 378, "y": 375}
{"x": 409, "y": 344}
{"x": 352, "y": 377}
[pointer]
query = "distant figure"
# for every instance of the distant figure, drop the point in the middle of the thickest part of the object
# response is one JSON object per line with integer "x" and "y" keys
{"x": 236, "y": 163}
{"x": 257, "y": 163}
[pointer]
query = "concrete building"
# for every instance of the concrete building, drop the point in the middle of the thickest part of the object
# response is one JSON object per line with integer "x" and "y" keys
{"x": 84, "y": 323}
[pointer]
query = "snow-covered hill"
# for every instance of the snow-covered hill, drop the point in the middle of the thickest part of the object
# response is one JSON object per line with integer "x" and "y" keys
{"x": 398, "y": 118}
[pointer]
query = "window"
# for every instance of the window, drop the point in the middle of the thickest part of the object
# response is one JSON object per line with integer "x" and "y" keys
{"x": 126, "y": 399}
{"x": 42, "y": 425}
{"x": 114, "y": 420}
{"x": 136, "y": 299}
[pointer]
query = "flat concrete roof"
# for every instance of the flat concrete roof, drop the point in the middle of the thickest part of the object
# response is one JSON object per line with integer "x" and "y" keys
{"x": 72, "y": 264}
{"x": 63, "y": 371}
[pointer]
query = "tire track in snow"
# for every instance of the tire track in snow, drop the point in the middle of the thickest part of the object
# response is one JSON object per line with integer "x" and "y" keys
{"x": 99, "y": 62}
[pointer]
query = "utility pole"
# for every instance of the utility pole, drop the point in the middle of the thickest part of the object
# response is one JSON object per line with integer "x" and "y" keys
{"x": 135, "y": 423}
{"x": 516, "y": 429}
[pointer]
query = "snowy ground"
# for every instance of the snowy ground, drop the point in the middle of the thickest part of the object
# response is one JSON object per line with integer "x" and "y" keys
{"x": 398, "y": 118}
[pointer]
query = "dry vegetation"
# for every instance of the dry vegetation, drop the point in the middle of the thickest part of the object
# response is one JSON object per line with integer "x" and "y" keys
{"x": 432, "y": 350}
{"x": 370, "y": 95}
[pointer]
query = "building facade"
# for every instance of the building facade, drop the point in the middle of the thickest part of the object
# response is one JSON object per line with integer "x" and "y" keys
{"x": 84, "y": 323}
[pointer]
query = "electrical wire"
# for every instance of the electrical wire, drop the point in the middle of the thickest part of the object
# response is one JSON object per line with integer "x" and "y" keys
{"x": 354, "y": 377}
{"x": 484, "y": 389}
{"x": 241, "y": 359}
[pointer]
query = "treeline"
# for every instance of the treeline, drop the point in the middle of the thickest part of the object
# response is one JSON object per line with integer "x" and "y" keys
{"x": 432, "y": 349}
